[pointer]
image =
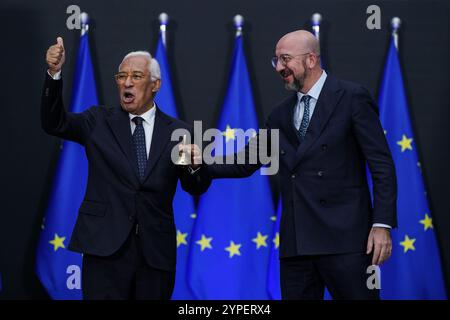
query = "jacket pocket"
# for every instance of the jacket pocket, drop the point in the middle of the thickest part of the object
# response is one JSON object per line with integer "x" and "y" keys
{"x": 93, "y": 208}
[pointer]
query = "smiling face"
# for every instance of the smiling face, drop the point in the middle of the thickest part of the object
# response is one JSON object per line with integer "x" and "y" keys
{"x": 294, "y": 71}
{"x": 300, "y": 52}
{"x": 136, "y": 87}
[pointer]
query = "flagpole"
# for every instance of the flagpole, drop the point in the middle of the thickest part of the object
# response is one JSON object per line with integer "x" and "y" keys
{"x": 395, "y": 24}
{"x": 238, "y": 23}
{"x": 163, "y": 20}
{"x": 316, "y": 19}
{"x": 84, "y": 18}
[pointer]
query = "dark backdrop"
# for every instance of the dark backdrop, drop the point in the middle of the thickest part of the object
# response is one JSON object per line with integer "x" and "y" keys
{"x": 200, "y": 40}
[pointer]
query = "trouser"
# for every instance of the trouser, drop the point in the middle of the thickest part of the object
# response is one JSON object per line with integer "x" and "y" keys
{"x": 344, "y": 275}
{"x": 125, "y": 275}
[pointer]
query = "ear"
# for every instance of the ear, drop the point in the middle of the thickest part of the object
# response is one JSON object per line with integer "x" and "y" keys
{"x": 156, "y": 85}
{"x": 314, "y": 60}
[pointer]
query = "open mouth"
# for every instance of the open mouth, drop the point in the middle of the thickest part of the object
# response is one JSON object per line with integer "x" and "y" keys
{"x": 285, "y": 74}
{"x": 128, "y": 97}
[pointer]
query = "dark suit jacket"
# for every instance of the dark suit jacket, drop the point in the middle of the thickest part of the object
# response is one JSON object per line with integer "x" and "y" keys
{"x": 115, "y": 198}
{"x": 326, "y": 202}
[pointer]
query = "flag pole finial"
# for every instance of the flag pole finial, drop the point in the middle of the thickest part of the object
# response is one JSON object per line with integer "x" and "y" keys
{"x": 164, "y": 21}
{"x": 238, "y": 23}
{"x": 395, "y": 24}
{"x": 316, "y": 19}
{"x": 84, "y": 19}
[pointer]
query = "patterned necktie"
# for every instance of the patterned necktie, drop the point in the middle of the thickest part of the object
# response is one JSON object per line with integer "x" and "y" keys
{"x": 305, "y": 120}
{"x": 139, "y": 146}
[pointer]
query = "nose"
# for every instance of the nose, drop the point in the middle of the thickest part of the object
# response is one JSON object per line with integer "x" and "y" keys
{"x": 279, "y": 67}
{"x": 129, "y": 82}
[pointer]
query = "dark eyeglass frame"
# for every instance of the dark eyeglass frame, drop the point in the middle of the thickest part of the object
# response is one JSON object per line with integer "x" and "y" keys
{"x": 136, "y": 76}
{"x": 284, "y": 59}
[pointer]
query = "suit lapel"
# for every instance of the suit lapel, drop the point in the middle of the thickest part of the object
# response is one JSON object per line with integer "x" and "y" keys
{"x": 120, "y": 126}
{"x": 160, "y": 138}
{"x": 328, "y": 99}
{"x": 287, "y": 119}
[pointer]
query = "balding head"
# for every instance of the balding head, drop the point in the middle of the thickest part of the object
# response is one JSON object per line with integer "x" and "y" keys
{"x": 301, "y": 41}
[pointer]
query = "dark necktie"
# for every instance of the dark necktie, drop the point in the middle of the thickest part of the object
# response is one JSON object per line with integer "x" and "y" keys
{"x": 139, "y": 146}
{"x": 305, "y": 120}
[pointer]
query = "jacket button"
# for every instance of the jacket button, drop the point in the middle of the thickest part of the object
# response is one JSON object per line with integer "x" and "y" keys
{"x": 130, "y": 218}
{"x": 324, "y": 147}
{"x": 320, "y": 173}
{"x": 293, "y": 176}
{"x": 322, "y": 202}
{"x": 282, "y": 152}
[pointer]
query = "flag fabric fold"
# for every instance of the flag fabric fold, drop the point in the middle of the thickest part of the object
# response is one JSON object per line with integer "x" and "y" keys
{"x": 232, "y": 235}
{"x": 414, "y": 270}
{"x": 183, "y": 203}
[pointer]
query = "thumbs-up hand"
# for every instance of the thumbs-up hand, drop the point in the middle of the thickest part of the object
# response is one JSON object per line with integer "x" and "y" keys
{"x": 56, "y": 56}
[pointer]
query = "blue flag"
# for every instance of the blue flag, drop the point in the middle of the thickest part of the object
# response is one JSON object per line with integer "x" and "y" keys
{"x": 414, "y": 270}
{"x": 232, "y": 235}
{"x": 183, "y": 203}
{"x": 58, "y": 269}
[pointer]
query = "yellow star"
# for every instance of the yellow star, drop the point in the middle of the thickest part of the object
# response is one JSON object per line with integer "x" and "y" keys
{"x": 260, "y": 240}
{"x": 181, "y": 238}
{"x": 204, "y": 242}
{"x": 408, "y": 244}
{"x": 58, "y": 242}
{"x": 427, "y": 222}
{"x": 405, "y": 143}
{"x": 193, "y": 215}
{"x": 233, "y": 249}
{"x": 276, "y": 240}
{"x": 273, "y": 218}
{"x": 229, "y": 134}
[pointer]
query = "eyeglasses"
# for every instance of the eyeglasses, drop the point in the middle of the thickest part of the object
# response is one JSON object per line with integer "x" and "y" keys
{"x": 284, "y": 59}
{"x": 137, "y": 76}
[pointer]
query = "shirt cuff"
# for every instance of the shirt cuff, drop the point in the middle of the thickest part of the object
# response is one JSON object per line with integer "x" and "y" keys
{"x": 381, "y": 225}
{"x": 57, "y": 75}
{"x": 192, "y": 171}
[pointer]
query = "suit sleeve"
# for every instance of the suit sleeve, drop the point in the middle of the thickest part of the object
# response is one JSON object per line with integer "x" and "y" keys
{"x": 372, "y": 142}
{"x": 195, "y": 183}
{"x": 56, "y": 121}
{"x": 241, "y": 163}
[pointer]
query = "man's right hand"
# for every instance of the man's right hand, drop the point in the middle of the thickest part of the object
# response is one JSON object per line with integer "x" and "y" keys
{"x": 56, "y": 56}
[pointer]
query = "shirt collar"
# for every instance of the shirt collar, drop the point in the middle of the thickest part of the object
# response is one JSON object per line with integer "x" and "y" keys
{"x": 147, "y": 116}
{"x": 314, "y": 92}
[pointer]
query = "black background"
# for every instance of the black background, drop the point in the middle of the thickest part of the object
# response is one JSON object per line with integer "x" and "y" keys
{"x": 200, "y": 42}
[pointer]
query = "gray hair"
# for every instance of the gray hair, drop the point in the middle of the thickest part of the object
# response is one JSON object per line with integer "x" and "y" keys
{"x": 153, "y": 65}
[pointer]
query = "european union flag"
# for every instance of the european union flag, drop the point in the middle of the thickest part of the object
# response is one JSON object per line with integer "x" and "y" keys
{"x": 232, "y": 235}
{"x": 183, "y": 203}
{"x": 58, "y": 269}
{"x": 414, "y": 270}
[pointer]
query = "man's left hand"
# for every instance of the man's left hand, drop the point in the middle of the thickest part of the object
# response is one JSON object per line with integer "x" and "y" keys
{"x": 193, "y": 151}
{"x": 380, "y": 243}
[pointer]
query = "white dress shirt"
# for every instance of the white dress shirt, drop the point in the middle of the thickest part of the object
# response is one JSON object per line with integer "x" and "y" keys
{"x": 314, "y": 93}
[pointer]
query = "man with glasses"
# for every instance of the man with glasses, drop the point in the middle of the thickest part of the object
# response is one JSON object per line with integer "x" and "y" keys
{"x": 125, "y": 226}
{"x": 330, "y": 232}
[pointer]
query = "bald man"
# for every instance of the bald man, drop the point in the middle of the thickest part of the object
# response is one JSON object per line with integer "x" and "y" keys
{"x": 330, "y": 232}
